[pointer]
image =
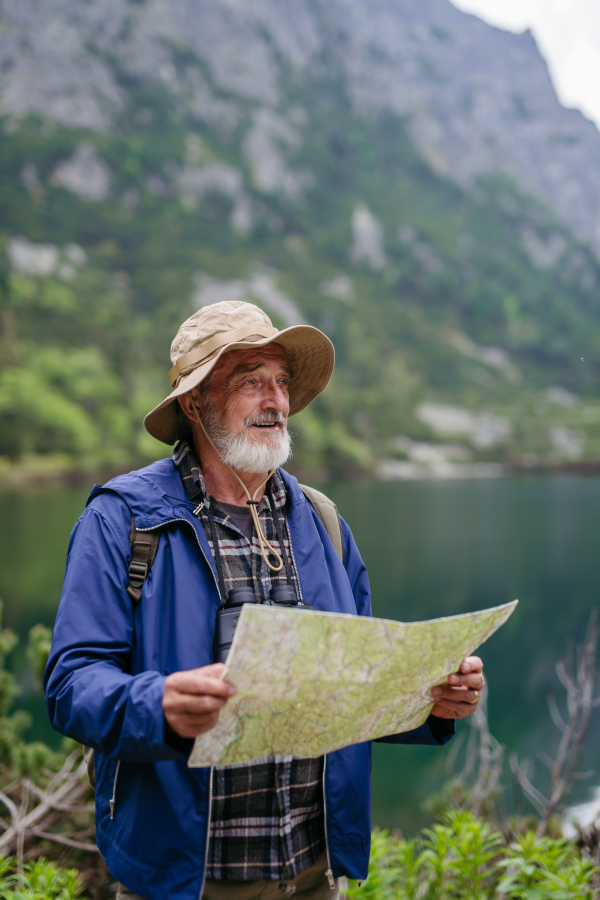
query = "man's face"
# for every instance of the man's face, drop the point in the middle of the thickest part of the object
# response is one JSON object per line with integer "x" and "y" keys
{"x": 245, "y": 408}
{"x": 252, "y": 384}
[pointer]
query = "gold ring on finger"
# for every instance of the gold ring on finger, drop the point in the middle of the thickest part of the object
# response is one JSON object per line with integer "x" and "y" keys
{"x": 475, "y": 698}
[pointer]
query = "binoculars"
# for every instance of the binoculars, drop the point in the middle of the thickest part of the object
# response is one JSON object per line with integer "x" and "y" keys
{"x": 229, "y": 613}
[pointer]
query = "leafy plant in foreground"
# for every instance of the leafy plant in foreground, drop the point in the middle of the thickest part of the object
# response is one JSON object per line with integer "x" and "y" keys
{"x": 40, "y": 880}
{"x": 461, "y": 858}
{"x": 537, "y": 869}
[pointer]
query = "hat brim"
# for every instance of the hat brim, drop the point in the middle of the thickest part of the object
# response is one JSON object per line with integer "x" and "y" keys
{"x": 310, "y": 355}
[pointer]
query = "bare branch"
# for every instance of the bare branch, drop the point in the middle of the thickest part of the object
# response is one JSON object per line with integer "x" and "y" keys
{"x": 59, "y": 807}
{"x": 581, "y": 776}
{"x": 14, "y": 812}
{"x": 537, "y": 799}
{"x": 483, "y": 760}
{"x": 63, "y": 839}
{"x": 556, "y": 716}
{"x": 455, "y": 746}
{"x": 64, "y": 772}
{"x": 576, "y": 673}
{"x": 568, "y": 684}
{"x": 547, "y": 760}
{"x": 72, "y": 789}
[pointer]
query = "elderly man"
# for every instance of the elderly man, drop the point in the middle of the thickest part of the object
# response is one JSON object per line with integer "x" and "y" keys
{"x": 130, "y": 670}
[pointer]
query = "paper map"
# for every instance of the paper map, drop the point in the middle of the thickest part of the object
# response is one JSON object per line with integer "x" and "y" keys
{"x": 310, "y": 682}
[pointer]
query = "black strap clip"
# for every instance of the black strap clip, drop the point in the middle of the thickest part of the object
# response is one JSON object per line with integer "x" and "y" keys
{"x": 138, "y": 572}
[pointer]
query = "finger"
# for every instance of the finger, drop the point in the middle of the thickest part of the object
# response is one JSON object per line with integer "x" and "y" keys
{"x": 196, "y": 681}
{"x": 440, "y": 712}
{"x": 453, "y": 703}
{"x": 194, "y": 722}
{"x": 458, "y": 708}
{"x": 191, "y": 704}
{"x": 443, "y": 711}
{"x": 191, "y": 727}
{"x": 475, "y": 681}
{"x": 215, "y": 670}
{"x": 460, "y": 694}
{"x": 471, "y": 664}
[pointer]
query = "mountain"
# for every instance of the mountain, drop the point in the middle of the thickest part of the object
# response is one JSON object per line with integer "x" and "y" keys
{"x": 476, "y": 99}
{"x": 395, "y": 172}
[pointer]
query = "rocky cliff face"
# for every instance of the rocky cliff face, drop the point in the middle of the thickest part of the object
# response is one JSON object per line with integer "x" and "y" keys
{"x": 329, "y": 160}
{"x": 476, "y": 99}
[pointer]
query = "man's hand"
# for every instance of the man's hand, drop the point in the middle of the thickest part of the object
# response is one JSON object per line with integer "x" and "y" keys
{"x": 192, "y": 699}
{"x": 461, "y": 694}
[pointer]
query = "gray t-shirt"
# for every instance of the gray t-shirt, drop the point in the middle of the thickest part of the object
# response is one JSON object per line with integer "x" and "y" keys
{"x": 241, "y": 516}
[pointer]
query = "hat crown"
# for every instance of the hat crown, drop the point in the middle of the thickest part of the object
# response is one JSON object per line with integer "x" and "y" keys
{"x": 216, "y": 319}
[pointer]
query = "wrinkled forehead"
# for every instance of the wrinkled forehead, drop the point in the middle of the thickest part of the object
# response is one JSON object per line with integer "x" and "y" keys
{"x": 241, "y": 359}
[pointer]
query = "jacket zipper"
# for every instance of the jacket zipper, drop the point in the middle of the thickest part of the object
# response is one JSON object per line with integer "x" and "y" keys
{"x": 210, "y": 780}
{"x": 329, "y": 872}
{"x": 210, "y": 797}
{"x": 113, "y": 800}
{"x": 295, "y": 565}
{"x": 170, "y": 522}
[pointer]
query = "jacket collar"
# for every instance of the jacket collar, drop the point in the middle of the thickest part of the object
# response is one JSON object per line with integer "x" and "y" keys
{"x": 156, "y": 494}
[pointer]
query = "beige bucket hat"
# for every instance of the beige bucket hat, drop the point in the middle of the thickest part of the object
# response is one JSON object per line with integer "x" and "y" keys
{"x": 214, "y": 330}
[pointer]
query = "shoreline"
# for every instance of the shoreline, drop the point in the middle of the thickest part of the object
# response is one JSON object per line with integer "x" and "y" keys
{"x": 47, "y": 473}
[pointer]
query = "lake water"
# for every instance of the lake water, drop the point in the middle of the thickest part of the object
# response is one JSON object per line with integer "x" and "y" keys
{"x": 432, "y": 549}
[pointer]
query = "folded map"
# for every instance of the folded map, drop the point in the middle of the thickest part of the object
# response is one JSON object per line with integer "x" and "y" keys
{"x": 310, "y": 682}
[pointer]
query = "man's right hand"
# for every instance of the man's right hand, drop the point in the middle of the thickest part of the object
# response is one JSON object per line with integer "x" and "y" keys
{"x": 192, "y": 700}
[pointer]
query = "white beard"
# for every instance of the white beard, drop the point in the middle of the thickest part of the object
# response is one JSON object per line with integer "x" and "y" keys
{"x": 239, "y": 451}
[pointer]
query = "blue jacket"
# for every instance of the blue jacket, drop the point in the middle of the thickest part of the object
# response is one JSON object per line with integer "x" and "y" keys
{"x": 108, "y": 664}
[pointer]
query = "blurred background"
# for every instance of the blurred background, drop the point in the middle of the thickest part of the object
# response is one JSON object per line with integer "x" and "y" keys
{"x": 417, "y": 180}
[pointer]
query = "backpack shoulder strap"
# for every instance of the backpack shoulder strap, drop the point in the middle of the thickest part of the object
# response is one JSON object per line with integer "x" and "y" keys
{"x": 144, "y": 545}
{"x": 328, "y": 513}
{"x": 90, "y": 763}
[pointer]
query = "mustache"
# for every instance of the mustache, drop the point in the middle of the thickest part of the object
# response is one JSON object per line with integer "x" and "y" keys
{"x": 267, "y": 415}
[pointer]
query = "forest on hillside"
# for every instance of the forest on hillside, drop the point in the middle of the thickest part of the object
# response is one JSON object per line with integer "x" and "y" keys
{"x": 466, "y": 320}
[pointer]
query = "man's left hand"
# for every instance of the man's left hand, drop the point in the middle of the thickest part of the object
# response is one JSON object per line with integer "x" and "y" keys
{"x": 460, "y": 695}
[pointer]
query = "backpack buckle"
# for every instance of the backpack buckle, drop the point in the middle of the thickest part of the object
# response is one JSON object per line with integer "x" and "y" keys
{"x": 138, "y": 572}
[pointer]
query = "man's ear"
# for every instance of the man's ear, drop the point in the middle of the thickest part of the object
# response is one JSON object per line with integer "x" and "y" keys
{"x": 186, "y": 405}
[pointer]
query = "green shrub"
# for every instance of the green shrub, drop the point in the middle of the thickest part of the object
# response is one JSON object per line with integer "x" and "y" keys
{"x": 461, "y": 857}
{"x": 40, "y": 880}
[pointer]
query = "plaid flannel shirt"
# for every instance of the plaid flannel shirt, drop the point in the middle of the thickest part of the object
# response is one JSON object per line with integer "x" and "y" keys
{"x": 267, "y": 815}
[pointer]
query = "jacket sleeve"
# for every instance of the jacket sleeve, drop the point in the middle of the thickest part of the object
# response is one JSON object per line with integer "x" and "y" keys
{"x": 434, "y": 730}
{"x": 90, "y": 694}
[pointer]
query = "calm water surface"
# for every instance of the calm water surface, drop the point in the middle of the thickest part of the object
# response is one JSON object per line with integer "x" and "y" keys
{"x": 432, "y": 549}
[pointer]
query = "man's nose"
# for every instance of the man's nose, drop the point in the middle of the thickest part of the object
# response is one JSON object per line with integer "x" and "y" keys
{"x": 275, "y": 396}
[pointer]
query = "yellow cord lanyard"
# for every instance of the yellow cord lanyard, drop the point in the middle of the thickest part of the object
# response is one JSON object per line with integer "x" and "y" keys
{"x": 264, "y": 543}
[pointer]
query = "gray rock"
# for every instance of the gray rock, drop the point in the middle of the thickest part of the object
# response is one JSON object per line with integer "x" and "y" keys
{"x": 259, "y": 287}
{"x": 85, "y": 174}
{"x": 39, "y": 260}
{"x": 476, "y": 99}
{"x": 367, "y": 239}
{"x": 195, "y": 182}
{"x": 264, "y": 150}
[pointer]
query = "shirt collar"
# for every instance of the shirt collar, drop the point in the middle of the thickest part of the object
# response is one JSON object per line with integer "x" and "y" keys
{"x": 188, "y": 466}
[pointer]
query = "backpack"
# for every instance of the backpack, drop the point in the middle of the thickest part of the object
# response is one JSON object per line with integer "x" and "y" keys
{"x": 144, "y": 546}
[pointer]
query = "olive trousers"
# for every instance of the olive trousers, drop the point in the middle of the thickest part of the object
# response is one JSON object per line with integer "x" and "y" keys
{"x": 308, "y": 885}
